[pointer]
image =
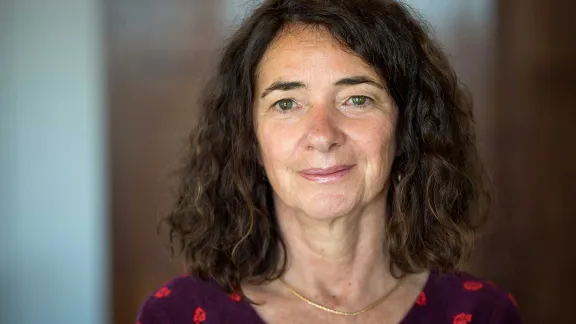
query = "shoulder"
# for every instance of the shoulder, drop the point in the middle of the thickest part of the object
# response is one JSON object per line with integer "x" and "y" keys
{"x": 189, "y": 299}
{"x": 462, "y": 298}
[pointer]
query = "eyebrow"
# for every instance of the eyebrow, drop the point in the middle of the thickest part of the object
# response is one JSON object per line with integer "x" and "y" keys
{"x": 284, "y": 86}
{"x": 290, "y": 85}
{"x": 360, "y": 79}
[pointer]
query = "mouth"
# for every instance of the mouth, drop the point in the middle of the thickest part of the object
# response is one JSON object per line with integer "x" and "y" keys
{"x": 323, "y": 175}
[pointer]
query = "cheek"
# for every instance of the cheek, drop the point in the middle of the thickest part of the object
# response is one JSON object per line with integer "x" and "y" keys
{"x": 387, "y": 145}
{"x": 277, "y": 144}
{"x": 377, "y": 144}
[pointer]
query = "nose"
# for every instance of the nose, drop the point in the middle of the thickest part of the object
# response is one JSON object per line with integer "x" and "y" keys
{"x": 324, "y": 132}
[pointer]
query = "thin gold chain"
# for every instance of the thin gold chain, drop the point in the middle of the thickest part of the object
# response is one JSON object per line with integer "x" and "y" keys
{"x": 337, "y": 312}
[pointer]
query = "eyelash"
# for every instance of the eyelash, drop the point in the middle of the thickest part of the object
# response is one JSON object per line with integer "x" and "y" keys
{"x": 275, "y": 104}
{"x": 368, "y": 100}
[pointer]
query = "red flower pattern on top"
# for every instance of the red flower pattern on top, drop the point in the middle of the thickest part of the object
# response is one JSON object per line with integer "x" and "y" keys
{"x": 235, "y": 297}
{"x": 162, "y": 292}
{"x": 199, "y": 315}
{"x": 473, "y": 285}
{"x": 462, "y": 318}
{"x": 513, "y": 300}
{"x": 421, "y": 301}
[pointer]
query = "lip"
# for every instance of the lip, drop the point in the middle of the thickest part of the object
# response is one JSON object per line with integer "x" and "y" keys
{"x": 323, "y": 175}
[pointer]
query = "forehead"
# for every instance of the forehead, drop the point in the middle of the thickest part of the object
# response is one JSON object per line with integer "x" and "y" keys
{"x": 303, "y": 36}
{"x": 300, "y": 49}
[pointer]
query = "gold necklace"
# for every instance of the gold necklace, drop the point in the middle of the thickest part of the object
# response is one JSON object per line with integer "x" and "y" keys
{"x": 337, "y": 312}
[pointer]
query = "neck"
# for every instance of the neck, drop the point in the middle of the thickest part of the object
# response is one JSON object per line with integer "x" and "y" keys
{"x": 340, "y": 261}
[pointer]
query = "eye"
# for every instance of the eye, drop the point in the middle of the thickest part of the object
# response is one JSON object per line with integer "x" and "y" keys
{"x": 359, "y": 101}
{"x": 284, "y": 104}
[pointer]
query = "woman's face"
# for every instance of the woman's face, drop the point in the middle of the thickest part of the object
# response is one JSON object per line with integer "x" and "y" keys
{"x": 325, "y": 125}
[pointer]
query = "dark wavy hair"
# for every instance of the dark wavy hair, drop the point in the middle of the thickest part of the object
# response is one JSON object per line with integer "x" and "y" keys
{"x": 223, "y": 221}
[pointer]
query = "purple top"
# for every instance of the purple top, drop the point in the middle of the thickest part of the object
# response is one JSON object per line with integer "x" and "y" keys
{"x": 451, "y": 299}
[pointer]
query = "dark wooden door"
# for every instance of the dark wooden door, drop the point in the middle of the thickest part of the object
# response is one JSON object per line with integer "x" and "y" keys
{"x": 530, "y": 248}
{"x": 159, "y": 55}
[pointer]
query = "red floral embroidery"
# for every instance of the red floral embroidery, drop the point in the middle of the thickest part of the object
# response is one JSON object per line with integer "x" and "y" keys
{"x": 421, "y": 301}
{"x": 162, "y": 292}
{"x": 473, "y": 285}
{"x": 490, "y": 283}
{"x": 513, "y": 300}
{"x": 235, "y": 297}
{"x": 199, "y": 315}
{"x": 462, "y": 318}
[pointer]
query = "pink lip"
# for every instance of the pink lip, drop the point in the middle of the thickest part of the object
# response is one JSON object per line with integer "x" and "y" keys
{"x": 328, "y": 174}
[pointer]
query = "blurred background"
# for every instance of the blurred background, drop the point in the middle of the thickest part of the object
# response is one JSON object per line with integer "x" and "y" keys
{"x": 97, "y": 96}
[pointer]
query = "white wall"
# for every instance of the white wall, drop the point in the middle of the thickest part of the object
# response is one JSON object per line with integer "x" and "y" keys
{"x": 53, "y": 208}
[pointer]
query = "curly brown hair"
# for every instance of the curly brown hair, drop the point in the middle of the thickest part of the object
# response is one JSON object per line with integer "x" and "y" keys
{"x": 223, "y": 221}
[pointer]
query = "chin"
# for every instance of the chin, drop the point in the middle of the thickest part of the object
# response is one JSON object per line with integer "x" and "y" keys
{"x": 325, "y": 207}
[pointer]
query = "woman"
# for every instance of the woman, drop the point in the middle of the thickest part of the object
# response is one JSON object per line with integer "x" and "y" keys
{"x": 333, "y": 178}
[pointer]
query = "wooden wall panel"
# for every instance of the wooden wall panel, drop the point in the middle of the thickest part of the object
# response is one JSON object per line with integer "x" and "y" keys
{"x": 159, "y": 56}
{"x": 530, "y": 246}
